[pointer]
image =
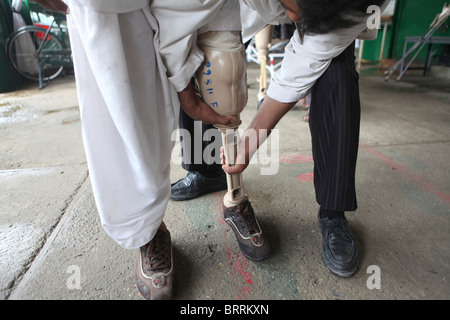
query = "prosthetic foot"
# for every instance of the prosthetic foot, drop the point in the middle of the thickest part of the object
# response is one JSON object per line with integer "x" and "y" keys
{"x": 222, "y": 82}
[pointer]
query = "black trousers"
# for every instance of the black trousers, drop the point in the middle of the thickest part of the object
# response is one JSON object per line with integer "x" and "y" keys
{"x": 192, "y": 153}
{"x": 334, "y": 123}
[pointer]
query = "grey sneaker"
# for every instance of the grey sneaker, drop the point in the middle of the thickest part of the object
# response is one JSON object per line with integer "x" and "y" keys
{"x": 249, "y": 235}
{"x": 154, "y": 272}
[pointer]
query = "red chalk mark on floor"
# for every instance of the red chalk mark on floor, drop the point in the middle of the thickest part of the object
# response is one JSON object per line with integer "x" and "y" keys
{"x": 422, "y": 182}
{"x": 239, "y": 266}
{"x": 306, "y": 177}
{"x": 300, "y": 158}
{"x": 295, "y": 159}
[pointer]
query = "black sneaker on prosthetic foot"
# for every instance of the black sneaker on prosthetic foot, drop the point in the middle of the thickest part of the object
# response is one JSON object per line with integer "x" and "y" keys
{"x": 241, "y": 218}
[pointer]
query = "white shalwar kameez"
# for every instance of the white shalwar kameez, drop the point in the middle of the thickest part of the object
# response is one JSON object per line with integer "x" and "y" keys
{"x": 128, "y": 113}
{"x": 128, "y": 107}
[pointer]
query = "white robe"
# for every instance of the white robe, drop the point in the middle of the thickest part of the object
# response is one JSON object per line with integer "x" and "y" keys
{"x": 129, "y": 108}
{"x": 128, "y": 113}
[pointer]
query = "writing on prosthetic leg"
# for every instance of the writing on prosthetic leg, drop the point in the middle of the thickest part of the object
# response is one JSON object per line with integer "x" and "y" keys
{"x": 222, "y": 81}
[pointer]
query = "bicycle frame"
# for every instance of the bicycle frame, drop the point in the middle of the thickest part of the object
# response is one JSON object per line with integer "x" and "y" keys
{"x": 42, "y": 61}
{"x": 45, "y": 53}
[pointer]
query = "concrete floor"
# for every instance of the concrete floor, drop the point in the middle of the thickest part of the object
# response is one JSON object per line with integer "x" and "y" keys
{"x": 50, "y": 236}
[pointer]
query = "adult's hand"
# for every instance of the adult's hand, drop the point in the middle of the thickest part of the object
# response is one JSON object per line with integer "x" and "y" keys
{"x": 197, "y": 109}
{"x": 265, "y": 119}
{"x": 241, "y": 162}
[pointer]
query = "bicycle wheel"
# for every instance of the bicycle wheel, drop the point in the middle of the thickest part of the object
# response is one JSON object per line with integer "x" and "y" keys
{"x": 30, "y": 53}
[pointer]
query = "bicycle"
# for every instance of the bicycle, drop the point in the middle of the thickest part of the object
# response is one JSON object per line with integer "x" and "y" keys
{"x": 38, "y": 53}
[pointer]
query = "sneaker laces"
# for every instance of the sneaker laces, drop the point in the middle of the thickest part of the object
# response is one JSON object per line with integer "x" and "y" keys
{"x": 157, "y": 253}
{"x": 250, "y": 224}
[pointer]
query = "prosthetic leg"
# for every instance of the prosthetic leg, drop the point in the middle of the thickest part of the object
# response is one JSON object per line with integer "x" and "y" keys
{"x": 222, "y": 81}
{"x": 263, "y": 41}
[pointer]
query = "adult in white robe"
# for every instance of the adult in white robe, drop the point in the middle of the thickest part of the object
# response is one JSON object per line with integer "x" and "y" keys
{"x": 129, "y": 111}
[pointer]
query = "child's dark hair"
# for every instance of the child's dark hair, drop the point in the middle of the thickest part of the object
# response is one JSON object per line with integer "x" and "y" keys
{"x": 322, "y": 16}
